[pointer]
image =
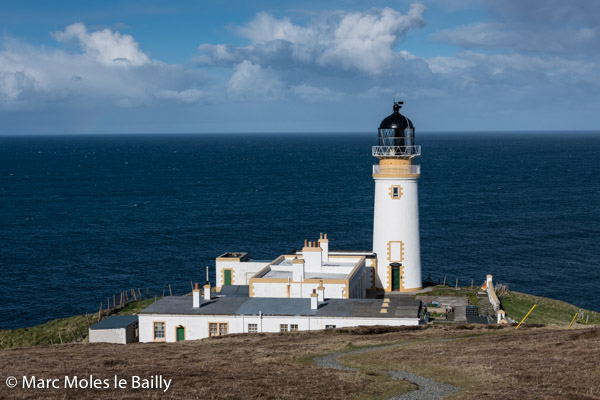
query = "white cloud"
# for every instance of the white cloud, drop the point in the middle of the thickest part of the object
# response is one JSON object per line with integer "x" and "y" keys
{"x": 366, "y": 41}
{"x": 359, "y": 41}
{"x": 516, "y": 62}
{"x": 521, "y": 37}
{"x": 251, "y": 81}
{"x": 105, "y": 46}
{"x": 109, "y": 69}
{"x": 264, "y": 28}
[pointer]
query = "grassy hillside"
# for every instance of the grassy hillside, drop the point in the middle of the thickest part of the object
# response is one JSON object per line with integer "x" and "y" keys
{"x": 71, "y": 329}
{"x": 547, "y": 311}
{"x": 494, "y": 362}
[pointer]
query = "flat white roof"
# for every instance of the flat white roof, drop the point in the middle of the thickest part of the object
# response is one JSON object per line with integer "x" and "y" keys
{"x": 330, "y": 263}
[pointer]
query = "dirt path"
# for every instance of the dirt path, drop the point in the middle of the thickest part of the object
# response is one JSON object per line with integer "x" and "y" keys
{"x": 427, "y": 389}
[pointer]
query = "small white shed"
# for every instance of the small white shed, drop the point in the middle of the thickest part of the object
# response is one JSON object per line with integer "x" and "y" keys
{"x": 120, "y": 329}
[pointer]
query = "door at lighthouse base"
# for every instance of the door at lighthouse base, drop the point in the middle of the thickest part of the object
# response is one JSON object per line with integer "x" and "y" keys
{"x": 395, "y": 278}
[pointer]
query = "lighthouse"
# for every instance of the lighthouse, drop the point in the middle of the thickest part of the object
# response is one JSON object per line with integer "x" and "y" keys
{"x": 396, "y": 217}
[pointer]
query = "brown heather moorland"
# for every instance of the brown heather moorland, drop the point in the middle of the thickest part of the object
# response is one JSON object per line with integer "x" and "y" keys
{"x": 531, "y": 363}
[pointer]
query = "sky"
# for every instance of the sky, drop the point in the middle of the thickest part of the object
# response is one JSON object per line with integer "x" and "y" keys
{"x": 146, "y": 66}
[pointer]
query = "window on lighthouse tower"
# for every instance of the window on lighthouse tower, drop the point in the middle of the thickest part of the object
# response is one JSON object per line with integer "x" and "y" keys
{"x": 395, "y": 192}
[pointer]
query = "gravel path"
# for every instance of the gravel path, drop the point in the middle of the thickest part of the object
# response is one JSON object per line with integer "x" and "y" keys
{"x": 427, "y": 389}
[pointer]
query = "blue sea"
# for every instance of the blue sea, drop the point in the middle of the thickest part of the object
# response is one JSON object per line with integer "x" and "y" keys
{"x": 85, "y": 217}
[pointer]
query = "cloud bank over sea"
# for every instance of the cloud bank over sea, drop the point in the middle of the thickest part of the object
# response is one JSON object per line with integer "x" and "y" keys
{"x": 505, "y": 65}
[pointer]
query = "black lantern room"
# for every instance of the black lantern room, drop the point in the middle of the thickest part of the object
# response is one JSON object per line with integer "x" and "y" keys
{"x": 397, "y": 133}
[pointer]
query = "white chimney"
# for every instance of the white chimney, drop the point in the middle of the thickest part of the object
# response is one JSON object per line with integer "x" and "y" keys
{"x": 312, "y": 257}
{"x": 207, "y": 293}
{"x": 321, "y": 292}
{"x": 207, "y": 287}
{"x": 314, "y": 300}
{"x": 196, "y": 296}
{"x": 298, "y": 270}
{"x": 324, "y": 244}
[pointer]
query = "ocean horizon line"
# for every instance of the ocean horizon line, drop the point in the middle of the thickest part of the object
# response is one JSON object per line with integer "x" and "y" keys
{"x": 312, "y": 133}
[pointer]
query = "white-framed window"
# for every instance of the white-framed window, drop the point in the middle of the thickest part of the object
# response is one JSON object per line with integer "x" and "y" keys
{"x": 283, "y": 328}
{"x": 223, "y": 329}
{"x": 252, "y": 328}
{"x": 213, "y": 329}
{"x": 293, "y": 327}
{"x": 159, "y": 331}
{"x": 218, "y": 328}
{"x": 329, "y": 326}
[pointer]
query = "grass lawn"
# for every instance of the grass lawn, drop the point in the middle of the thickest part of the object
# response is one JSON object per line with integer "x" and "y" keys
{"x": 547, "y": 311}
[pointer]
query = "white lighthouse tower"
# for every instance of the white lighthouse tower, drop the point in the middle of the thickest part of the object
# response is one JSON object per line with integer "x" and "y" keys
{"x": 396, "y": 220}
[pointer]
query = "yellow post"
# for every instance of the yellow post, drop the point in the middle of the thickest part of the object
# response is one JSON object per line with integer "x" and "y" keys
{"x": 525, "y": 316}
{"x": 573, "y": 320}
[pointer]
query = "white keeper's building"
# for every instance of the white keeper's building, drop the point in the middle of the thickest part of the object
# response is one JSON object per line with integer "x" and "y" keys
{"x": 316, "y": 287}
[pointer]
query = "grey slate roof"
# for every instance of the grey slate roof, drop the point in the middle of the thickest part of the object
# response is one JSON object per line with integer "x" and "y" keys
{"x": 115, "y": 322}
{"x": 399, "y": 307}
{"x": 235, "y": 291}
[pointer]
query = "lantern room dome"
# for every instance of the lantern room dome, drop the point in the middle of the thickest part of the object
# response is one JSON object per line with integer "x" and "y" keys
{"x": 396, "y": 120}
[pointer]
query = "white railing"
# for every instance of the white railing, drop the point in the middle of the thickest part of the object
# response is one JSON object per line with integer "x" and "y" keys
{"x": 396, "y": 151}
{"x": 396, "y": 170}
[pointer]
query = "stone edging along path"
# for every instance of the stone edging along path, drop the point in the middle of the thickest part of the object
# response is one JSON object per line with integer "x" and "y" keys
{"x": 426, "y": 388}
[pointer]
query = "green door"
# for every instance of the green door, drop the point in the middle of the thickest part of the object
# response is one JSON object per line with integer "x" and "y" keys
{"x": 180, "y": 333}
{"x": 227, "y": 275}
{"x": 395, "y": 278}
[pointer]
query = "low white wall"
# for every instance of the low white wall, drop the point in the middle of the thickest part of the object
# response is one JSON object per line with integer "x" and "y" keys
{"x": 358, "y": 284}
{"x": 492, "y": 293}
{"x": 297, "y": 289}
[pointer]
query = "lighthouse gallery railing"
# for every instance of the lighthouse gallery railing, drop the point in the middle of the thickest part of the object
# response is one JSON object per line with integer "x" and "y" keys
{"x": 396, "y": 151}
